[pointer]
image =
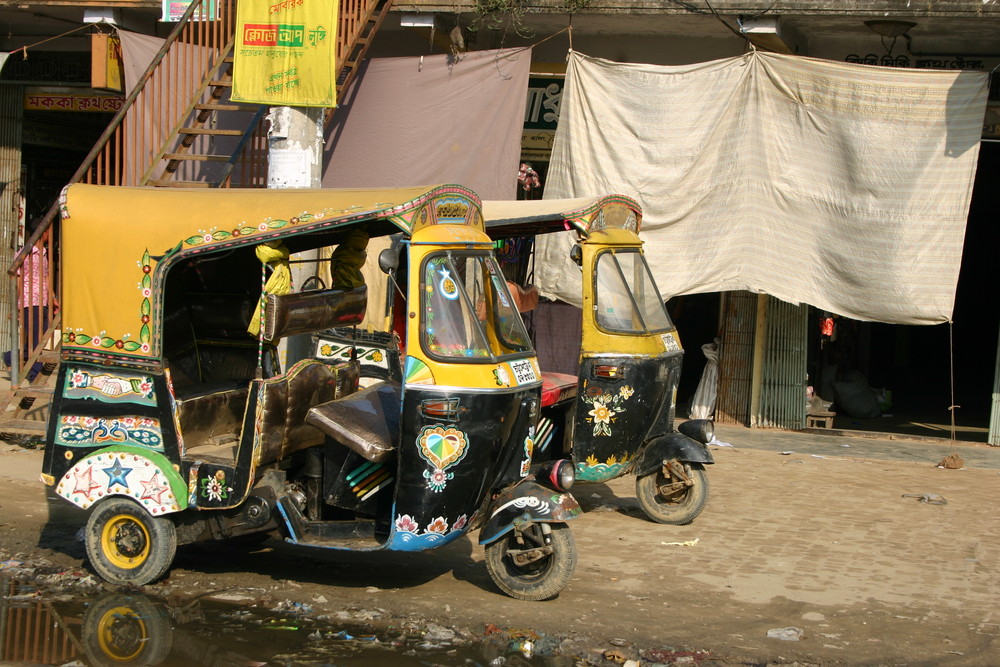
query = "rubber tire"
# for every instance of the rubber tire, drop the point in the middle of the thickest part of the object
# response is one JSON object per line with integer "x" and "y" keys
{"x": 538, "y": 581}
{"x": 156, "y": 539}
{"x": 126, "y": 630}
{"x": 676, "y": 513}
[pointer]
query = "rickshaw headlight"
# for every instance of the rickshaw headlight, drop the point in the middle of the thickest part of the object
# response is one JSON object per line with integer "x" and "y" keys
{"x": 702, "y": 430}
{"x": 559, "y": 474}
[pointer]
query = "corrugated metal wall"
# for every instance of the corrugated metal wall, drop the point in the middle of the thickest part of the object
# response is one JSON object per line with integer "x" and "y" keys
{"x": 739, "y": 316}
{"x": 782, "y": 401}
{"x": 11, "y": 115}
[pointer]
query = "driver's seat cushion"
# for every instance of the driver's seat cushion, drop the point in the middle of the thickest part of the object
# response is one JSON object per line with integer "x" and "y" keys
{"x": 558, "y": 387}
{"x": 367, "y": 421}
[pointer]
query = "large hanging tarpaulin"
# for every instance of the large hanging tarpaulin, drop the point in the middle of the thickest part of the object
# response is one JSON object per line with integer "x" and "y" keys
{"x": 285, "y": 53}
{"x": 843, "y": 186}
{"x": 429, "y": 119}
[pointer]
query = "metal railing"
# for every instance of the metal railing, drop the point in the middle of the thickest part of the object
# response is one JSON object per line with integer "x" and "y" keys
{"x": 146, "y": 127}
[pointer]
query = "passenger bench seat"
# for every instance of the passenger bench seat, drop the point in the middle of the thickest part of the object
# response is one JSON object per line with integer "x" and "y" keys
{"x": 286, "y": 399}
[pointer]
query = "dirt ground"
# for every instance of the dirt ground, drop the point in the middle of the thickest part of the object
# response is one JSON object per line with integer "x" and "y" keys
{"x": 832, "y": 547}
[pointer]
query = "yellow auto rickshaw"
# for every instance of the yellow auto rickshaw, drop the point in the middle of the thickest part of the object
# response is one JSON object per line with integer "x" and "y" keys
{"x": 173, "y": 420}
{"x": 615, "y": 415}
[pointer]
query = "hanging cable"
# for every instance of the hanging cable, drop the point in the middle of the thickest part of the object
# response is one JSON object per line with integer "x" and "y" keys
{"x": 49, "y": 39}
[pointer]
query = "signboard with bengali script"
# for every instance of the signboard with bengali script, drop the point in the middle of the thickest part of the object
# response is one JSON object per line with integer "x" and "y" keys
{"x": 285, "y": 53}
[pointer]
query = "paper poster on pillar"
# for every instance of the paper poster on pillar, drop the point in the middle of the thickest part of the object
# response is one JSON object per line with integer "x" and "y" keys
{"x": 285, "y": 53}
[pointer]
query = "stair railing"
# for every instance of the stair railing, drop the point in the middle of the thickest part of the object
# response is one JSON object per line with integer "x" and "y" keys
{"x": 145, "y": 123}
{"x": 37, "y": 293}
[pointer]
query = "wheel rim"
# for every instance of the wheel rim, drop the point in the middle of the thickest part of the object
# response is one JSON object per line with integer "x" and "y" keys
{"x": 530, "y": 571}
{"x": 121, "y": 634}
{"x": 674, "y": 497}
{"x": 125, "y": 542}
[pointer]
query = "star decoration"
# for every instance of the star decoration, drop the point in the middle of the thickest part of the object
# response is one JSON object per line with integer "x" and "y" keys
{"x": 153, "y": 489}
{"x": 85, "y": 481}
{"x": 117, "y": 474}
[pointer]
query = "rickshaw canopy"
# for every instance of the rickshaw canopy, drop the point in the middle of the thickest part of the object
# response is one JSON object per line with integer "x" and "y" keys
{"x": 118, "y": 243}
{"x": 583, "y": 214}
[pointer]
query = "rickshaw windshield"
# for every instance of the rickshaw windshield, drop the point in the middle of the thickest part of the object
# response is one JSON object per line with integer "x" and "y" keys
{"x": 468, "y": 312}
{"x": 626, "y": 297}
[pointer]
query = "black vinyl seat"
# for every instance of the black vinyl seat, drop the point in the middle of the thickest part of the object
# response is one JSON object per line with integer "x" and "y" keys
{"x": 366, "y": 421}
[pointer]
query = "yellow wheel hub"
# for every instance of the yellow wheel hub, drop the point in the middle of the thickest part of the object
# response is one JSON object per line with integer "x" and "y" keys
{"x": 121, "y": 634}
{"x": 125, "y": 542}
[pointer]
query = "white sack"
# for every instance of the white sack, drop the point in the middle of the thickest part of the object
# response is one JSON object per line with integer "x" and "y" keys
{"x": 703, "y": 403}
{"x": 839, "y": 185}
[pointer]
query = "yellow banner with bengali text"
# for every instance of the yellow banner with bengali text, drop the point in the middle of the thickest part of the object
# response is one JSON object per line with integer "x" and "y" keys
{"x": 286, "y": 52}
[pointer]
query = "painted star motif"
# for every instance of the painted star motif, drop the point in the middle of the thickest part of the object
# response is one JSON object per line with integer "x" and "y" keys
{"x": 117, "y": 474}
{"x": 153, "y": 489}
{"x": 85, "y": 481}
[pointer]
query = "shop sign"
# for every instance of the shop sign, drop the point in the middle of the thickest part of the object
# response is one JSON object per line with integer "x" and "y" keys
{"x": 917, "y": 62}
{"x": 173, "y": 11}
{"x": 544, "y": 95}
{"x": 72, "y": 102}
{"x": 541, "y": 115}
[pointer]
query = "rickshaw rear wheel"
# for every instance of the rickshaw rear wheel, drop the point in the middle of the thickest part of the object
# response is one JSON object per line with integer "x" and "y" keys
{"x": 539, "y": 579}
{"x": 126, "y": 630}
{"x": 126, "y": 545}
{"x": 665, "y": 500}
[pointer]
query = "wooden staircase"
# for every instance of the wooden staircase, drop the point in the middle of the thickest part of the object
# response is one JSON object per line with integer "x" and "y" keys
{"x": 211, "y": 142}
{"x": 190, "y": 143}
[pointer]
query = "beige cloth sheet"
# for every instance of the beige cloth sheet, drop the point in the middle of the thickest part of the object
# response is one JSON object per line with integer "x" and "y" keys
{"x": 839, "y": 185}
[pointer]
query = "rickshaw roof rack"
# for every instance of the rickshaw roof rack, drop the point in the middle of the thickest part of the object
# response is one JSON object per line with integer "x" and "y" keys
{"x": 583, "y": 214}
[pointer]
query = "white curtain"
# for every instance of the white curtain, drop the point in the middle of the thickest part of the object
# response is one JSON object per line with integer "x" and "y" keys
{"x": 839, "y": 185}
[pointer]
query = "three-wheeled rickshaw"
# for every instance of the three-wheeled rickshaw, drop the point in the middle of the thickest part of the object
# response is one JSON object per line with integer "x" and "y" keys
{"x": 173, "y": 422}
{"x": 615, "y": 416}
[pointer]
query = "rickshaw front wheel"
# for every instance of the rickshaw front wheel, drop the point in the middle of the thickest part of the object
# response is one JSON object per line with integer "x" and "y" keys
{"x": 126, "y": 630}
{"x": 533, "y": 563}
{"x": 126, "y": 545}
{"x": 666, "y": 496}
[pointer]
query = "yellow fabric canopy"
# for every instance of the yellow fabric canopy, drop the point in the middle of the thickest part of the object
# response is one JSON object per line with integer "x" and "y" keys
{"x": 115, "y": 239}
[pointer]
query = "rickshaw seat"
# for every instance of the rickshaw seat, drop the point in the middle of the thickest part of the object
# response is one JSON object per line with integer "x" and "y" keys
{"x": 211, "y": 416}
{"x": 557, "y": 387}
{"x": 367, "y": 421}
{"x": 286, "y": 399}
{"x": 313, "y": 310}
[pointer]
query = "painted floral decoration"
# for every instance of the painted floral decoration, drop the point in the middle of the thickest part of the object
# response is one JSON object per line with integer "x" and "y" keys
{"x": 605, "y": 407}
{"x": 214, "y": 487}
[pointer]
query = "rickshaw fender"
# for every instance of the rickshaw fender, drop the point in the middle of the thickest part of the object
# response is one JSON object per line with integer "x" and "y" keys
{"x": 673, "y": 446}
{"x": 528, "y": 501}
{"x": 127, "y": 466}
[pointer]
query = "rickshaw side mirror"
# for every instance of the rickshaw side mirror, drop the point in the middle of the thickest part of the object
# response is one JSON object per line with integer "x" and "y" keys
{"x": 388, "y": 260}
{"x": 576, "y": 254}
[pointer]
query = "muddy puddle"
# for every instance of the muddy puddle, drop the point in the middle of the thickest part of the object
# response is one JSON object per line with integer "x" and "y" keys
{"x": 39, "y": 625}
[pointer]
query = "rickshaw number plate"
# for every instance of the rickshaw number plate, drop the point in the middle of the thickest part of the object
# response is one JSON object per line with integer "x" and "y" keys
{"x": 523, "y": 371}
{"x": 670, "y": 342}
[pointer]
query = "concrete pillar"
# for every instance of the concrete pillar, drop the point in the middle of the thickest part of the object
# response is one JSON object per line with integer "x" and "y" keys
{"x": 295, "y": 152}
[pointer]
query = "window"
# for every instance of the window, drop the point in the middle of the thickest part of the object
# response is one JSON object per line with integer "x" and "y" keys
{"x": 468, "y": 311}
{"x": 626, "y": 297}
